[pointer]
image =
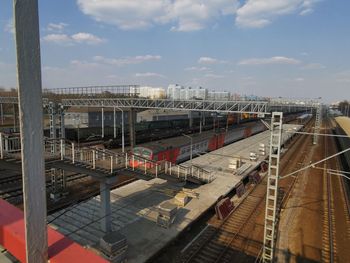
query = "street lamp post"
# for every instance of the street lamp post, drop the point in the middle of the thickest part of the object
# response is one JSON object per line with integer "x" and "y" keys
{"x": 191, "y": 146}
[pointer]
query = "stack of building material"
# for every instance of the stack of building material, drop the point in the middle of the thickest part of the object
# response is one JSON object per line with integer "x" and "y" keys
{"x": 114, "y": 247}
{"x": 223, "y": 208}
{"x": 262, "y": 149}
{"x": 240, "y": 190}
{"x": 166, "y": 214}
{"x": 253, "y": 156}
{"x": 190, "y": 193}
{"x": 243, "y": 168}
{"x": 254, "y": 177}
{"x": 181, "y": 199}
{"x": 235, "y": 163}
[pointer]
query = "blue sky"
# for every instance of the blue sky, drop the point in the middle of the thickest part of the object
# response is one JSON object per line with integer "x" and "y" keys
{"x": 288, "y": 48}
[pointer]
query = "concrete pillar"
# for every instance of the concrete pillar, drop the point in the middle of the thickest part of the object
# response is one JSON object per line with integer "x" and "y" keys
{"x": 31, "y": 126}
{"x": 132, "y": 119}
{"x": 105, "y": 199}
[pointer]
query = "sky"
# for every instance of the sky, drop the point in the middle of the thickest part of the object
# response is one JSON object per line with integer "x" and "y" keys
{"x": 275, "y": 48}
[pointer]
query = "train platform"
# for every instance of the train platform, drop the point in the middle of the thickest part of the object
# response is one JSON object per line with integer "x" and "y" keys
{"x": 134, "y": 206}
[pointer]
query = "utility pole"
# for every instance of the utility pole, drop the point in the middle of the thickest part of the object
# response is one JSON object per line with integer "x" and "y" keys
{"x": 272, "y": 187}
{"x": 26, "y": 23}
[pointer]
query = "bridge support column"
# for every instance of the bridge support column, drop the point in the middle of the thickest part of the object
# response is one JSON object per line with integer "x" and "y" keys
{"x": 105, "y": 200}
{"x": 26, "y": 22}
{"x": 132, "y": 119}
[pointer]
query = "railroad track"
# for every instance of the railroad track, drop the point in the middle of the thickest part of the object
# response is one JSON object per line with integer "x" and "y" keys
{"x": 328, "y": 234}
{"x": 215, "y": 242}
{"x": 223, "y": 243}
{"x": 11, "y": 190}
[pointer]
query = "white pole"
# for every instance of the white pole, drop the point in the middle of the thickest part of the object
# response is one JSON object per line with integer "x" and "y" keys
{"x": 26, "y": 23}
{"x": 123, "y": 141}
{"x": 111, "y": 164}
{"x": 93, "y": 159}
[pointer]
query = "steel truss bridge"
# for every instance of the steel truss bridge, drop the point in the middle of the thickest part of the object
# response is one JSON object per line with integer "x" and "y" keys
{"x": 252, "y": 107}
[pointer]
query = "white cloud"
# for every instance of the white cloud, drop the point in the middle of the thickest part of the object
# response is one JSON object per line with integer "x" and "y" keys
{"x": 61, "y": 39}
{"x": 87, "y": 38}
{"x": 149, "y": 75}
{"x": 299, "y": 79}
{"x": 343, "y": 76}
{"x": 196, "y": 69}
{"x": 268, "y": 61}
{"x": 258, "y": 13}
{"x": 209, "y": 60}
{"x": 314, "y": 66}
{"x": 184, "y": 15}
{"x": 59, "y": 27}
{"x": 213, "y": 76}
{"x": 9, "y": 27}
{"x": 127, "y": 60}
{"x": 78, "y": 38}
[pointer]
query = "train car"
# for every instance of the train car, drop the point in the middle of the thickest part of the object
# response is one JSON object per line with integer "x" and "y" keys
{"x": 178, "y": 149}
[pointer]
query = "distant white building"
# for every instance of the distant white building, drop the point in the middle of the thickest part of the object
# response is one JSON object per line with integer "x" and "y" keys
{"x": 177, "y": 92}
{"x": 219, "y": 95}
{"x": 152, "y": 92}
{"x": 201, "y": 93}
{"x": 174, "y": 91}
